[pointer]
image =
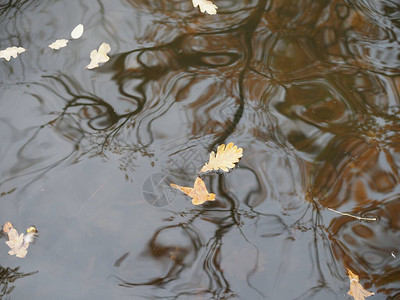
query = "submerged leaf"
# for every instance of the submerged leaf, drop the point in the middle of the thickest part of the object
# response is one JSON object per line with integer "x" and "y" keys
{"x": 11, "y": 52}
{"x": 356, "y": 289}
{"x": 77, "y": 32}
{"x": 198, "y": 193}
{"x": 225, "y": 158}
{"x": 99, "y": 56}
{"x": 205, "y": 6}
{"x": 58, "y": 44}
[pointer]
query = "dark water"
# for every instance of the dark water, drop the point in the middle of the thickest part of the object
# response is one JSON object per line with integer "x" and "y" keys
{"x": 309, "y": 89}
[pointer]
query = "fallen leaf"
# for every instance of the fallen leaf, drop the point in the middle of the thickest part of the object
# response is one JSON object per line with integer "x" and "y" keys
{"x": 205, "y": 6}
{"x": 356, "y": 289}
{"x": 99, "y": 56}
{"x": 198, "y": 193}
{"x": 16, "y": 241}
{"x": 7, "y": 227}
{"x": 18, "y": 245}
{"x": 58, "y": 44}
{"x": 77, "y": 32}
{"x": 11, "y": 52}
{"x": 224, "y": 160}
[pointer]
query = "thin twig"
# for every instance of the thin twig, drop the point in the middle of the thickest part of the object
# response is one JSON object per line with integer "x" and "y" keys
{"x": 374, "y": 219}
{"x": 98, "y": 189}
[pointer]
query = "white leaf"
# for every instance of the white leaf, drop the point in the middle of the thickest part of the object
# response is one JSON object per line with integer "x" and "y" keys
{"x": 99, "y": 56}
{"x": 77, "y": 32}
{"x": 58, "y": 44}
{"x": 205, "y": 6}
{"x": 11, "y": 52}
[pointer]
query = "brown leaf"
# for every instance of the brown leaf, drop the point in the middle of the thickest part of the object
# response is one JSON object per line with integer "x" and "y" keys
{"x": 16, "y": 242}
{"x": 7, "y": 227}
{"x": 225, "y": 158}
{"x": 356, "y": 289}
{"x": 198, "y": 193}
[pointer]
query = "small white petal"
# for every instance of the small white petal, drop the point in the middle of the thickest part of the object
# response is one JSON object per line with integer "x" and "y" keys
{"x": 77, "y": 32}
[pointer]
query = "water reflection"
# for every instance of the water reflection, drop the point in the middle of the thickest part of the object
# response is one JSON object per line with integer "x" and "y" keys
{"x": 7, "y": 278}
{"x": 371, "y": 248}
{"x": 309, "y": 89}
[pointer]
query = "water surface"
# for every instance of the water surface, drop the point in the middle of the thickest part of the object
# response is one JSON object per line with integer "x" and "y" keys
{"x": 309, "y": 89}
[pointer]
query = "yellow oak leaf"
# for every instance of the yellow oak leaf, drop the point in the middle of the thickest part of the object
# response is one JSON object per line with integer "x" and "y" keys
{"x": 356, "y": 289}
{"x": 18, "y": 242}
{"x": 18, "y": 245}
{"x": 224, "y": 160}
{"x": 11, "y": 52}
{"x": 205, "y": 6}
{"x": 198, "y": 193}
{"x": 58, "y": 44}
{"x": 99, "y": 56}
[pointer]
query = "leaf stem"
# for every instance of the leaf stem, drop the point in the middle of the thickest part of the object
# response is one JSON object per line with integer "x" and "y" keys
{"x": 373, "y": 219}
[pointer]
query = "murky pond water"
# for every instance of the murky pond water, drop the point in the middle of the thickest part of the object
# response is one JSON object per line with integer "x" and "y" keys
{"x": 309, "y": 89}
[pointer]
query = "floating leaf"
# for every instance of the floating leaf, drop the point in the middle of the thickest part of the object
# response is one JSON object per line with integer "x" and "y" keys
{"x": 77, "y": 32}
{"x": 58, "y": 44}
{"x": 18, "y": 242}
{"x": 11, "y": 52}
{"x": 205, "y": 6}
{"x": 7, "y": 227}
{"x": 99, "y": 56}
{"x": 198, "y": 193}
{"x": 225, "y": 158}
{"x": 356, "y": 289}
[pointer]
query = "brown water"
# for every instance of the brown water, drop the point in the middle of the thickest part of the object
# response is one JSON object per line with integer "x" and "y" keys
{"x": 309, "y": 89}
